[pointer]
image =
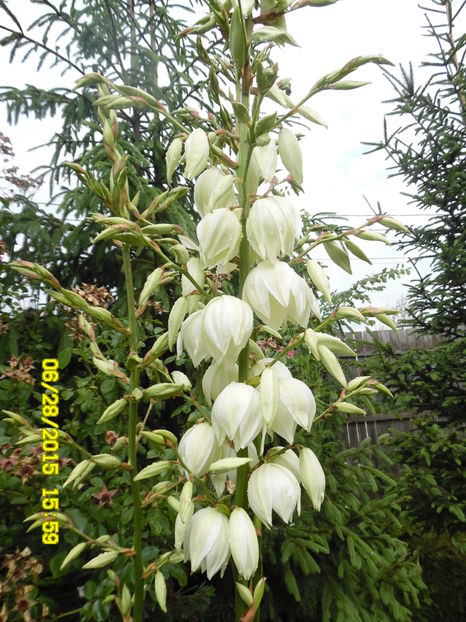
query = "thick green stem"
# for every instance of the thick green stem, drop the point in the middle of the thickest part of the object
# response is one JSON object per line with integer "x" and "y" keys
{"x": 244, "y": 156}
{"x": 132, "y": 445}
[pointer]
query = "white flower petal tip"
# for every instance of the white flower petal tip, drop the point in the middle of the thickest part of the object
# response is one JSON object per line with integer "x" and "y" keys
{"x": 273, "y": 487}
{"x": 207, "y": 544}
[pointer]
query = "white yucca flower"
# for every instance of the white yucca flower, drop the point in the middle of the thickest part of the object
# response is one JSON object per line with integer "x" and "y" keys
{"x": 216, "y": 377}
{"x": 197, "y": 153}
{"x": 312, "y": 476}
{"x": 213, "y": 190}
{"x": 287, "y": 459}
{"x": 227, "y": 324}
{"x": 291, "y": 155}
{"x": 190, "y": 338}
{"x": 277, "y": 294}
{"x": 272, "y": 227}
{"x": 236, "y": 414}
{"x": 243, "y": 543}
{"x": 207, "y": 542}
{"x": 198, "y": 448}
{"x": 273, "y": 487}
{"x": 219, "y": 235}
{"x": 296, "y": 406}
{"x": 266, "y": 160}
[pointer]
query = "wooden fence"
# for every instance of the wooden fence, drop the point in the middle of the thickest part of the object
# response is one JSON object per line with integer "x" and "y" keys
{"x": 372, "y": 426}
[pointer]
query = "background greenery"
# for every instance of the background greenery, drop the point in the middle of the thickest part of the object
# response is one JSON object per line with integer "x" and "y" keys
{"x": 389, "y": 543}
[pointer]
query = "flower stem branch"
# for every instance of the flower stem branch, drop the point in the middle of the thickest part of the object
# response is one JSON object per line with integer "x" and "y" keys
{"x": 132, "y": 444}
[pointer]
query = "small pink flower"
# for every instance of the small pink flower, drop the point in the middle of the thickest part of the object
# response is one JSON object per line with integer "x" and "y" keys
{"x": 290, "y": 354}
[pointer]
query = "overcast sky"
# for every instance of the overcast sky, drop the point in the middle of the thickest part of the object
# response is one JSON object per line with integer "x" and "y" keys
{"x": 336, "y": 173}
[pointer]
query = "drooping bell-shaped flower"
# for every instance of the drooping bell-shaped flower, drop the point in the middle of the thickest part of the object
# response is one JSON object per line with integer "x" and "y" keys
{"x": 227, "y": 324}
{"x": 273, "y": 487}
{"x": 207, "y": 543}
{"x": 272, "y": 227}
{"x": 291, "y": 155}
{"x": 190, "y": 338}
{"x": 219, "y": 235}
{"x": 277, "y": 294}
{"x": 266, "y": 160}
{"x": 213, "y": 190}
{"x": 287, "y": 459}
{"x": 197, "y": 153}
{"x": 296, "y": 406}
{"x": 243, "y": 543}
{"x": 216, "y": 377}
{"x": 236, "y": 414}
{"x": 198, "y": 448}
{"x": 312, "y": 476}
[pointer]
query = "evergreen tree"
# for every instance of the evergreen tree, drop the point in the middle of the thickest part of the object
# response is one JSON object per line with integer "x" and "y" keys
{"x": 130, "y": 41}
{"x": 428, "y": 151}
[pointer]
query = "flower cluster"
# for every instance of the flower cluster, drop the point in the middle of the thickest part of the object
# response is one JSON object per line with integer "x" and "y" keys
{"x": 268, "y": 402}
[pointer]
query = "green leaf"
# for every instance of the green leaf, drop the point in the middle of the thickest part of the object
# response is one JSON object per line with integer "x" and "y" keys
{"x": 65, "y": 350}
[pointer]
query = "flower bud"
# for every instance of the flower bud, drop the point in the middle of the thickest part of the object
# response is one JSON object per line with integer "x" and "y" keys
{"x": 277, "y": 294}
{"x": 213, "y": 190}
{"x": 161, "y": 591}
{"x": 236, "y": 414}
{"x": 290, "y": 153}
{"x": 182, "y": 380}
{"x": 197, "y": 153}
{"x": 180, "y": 253}
{"x": 272, "y": 227}
{"x": 150, "y": 286}
{"x": 175, "y": 319}
{"x": 198, "y": 448}
{"x": 312, "y": 476}
{"x": 219, "y": 235}
{"x": 319, "y": 278}
{"x": 102, "y": 560}
{"x": 106, "y": 461}
{"x": 207, "y": 542}
{"x": 266, "y": 160}
{"x": 152, "y": 470}
{"x": 112, "y": 411}
{"x": 331, "y": 363}
{"x": 273, "y": 487}
{"x": 181, "y": 526}
{"x": 172, "y": 157}
{"x": 243, "y": 543}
